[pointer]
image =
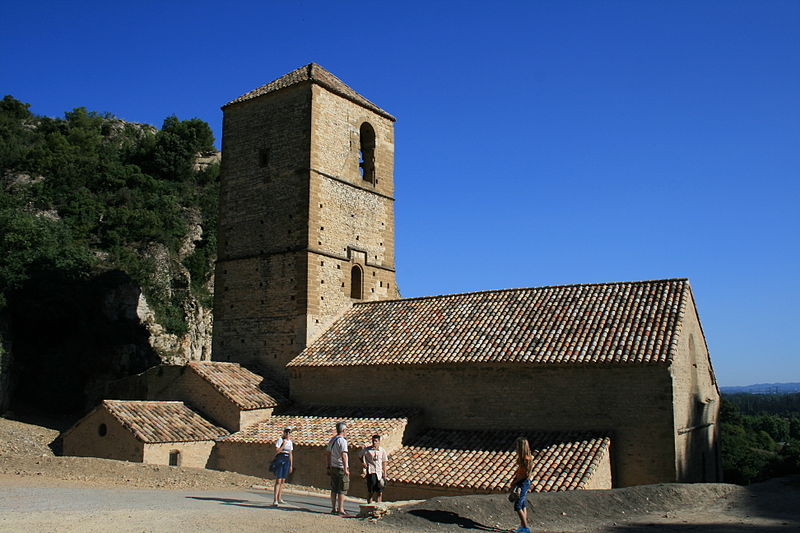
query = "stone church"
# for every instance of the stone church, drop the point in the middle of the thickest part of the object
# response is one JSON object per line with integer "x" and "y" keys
{"x": 611, "y": 382}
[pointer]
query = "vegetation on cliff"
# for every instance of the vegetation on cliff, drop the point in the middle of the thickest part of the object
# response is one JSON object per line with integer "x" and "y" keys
{"x": 89, "y": 192}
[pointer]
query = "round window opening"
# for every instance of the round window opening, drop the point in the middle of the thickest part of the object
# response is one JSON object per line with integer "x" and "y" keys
{"x": 102, "y": 430}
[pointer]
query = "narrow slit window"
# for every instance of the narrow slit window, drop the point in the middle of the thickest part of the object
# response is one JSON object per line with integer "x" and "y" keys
{"x": 355, "y": 282}
{"x": 263, "y": 157}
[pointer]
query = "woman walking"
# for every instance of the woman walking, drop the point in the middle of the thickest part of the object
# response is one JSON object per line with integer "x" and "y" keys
{"x": 521, "y": 482}
{"x": 283, "y": 464}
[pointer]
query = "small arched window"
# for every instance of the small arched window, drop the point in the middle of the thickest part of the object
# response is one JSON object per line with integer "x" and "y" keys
{"x": 355, "y": 282}
{"x": 366, "y": 152}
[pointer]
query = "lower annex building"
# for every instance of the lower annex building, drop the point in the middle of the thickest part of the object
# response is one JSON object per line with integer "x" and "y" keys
{"x": 611, "y": 382}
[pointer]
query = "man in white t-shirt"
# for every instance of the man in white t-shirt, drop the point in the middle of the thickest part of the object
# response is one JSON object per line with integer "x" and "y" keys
{"x": 337, "y": 465}
{"x": 374, "y": 462}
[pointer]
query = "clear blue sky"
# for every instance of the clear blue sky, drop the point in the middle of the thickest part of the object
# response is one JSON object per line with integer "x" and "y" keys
{"x": 537, "y": 143}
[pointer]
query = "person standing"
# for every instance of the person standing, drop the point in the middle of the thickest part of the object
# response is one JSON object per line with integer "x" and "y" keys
{"x": 374, "y": 462}
{"x": 338, "y": 468}
{"x": 283, "y": 464}
{"x": 521, "y": 482}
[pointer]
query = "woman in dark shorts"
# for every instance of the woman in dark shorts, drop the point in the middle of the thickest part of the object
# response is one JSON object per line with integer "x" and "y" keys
{"x": 522, "y": 482}
{"x": 282, "y": 465}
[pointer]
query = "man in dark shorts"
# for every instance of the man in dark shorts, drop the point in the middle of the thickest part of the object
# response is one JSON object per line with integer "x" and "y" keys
{"x": 374, "y": 462}
{"x": 337, "y": 465}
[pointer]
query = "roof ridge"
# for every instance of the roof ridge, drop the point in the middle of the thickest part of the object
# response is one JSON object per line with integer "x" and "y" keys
{"x": 312, "y": 73}
{"x": 566, "y": 285}
{"x": 143, "y": 401}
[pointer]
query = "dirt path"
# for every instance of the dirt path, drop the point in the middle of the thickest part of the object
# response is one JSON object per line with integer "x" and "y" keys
{"x": 157, "y": 510}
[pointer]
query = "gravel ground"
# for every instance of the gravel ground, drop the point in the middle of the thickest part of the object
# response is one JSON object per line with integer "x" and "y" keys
{"x": 27, "y": 462}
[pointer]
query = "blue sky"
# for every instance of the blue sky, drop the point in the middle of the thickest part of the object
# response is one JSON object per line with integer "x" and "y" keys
{"x": 537, "y": 143}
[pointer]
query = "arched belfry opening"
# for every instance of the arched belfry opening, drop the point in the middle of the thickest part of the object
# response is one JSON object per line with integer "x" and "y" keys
{"x": 355, "y": 282}
{"x": 366, "y": 152}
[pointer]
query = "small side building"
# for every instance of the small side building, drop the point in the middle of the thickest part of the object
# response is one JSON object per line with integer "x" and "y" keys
{"x": 227, "y": 393}
{"x": 154, "y": 432}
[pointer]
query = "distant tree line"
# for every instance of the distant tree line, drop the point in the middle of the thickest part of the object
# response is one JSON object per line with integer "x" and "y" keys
{"x": 760, "y": 436}
{"x": 90, "y": 192}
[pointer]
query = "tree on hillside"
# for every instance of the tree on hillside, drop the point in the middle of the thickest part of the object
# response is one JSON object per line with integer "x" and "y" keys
{"x": 91, "y": 186}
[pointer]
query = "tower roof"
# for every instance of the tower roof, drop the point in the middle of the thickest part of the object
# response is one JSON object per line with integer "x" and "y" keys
{"x": 315, "y": 74}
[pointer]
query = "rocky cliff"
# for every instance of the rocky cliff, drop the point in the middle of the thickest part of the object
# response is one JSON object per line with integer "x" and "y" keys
{"x": 106, "y": 253}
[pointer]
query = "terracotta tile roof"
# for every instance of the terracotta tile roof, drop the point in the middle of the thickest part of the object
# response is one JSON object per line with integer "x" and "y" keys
{"x": 315, "y": 74}
{"x": 315, "y": 427}
{"x": 155, "y": 421}
{"x": 485, "y": 460}
{"x": 239, "y": 385}
{"x": 597, "y": 323}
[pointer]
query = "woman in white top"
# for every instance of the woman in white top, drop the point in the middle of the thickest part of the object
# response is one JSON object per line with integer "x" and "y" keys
{"x": 283, "y": 464}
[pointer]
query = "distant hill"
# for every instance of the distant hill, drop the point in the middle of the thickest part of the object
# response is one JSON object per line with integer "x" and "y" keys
{"x": 763, "y": 388}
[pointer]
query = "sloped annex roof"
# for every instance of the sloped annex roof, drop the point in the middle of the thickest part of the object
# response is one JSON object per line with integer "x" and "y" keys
{"x": 315, "y": 74}
{"x": 315, "y": 427}
{"x": 622, "y": 322}
{"x": 486, "y": 460}
{"x": 159, "y": 421}
{"x": 239, "y": 385}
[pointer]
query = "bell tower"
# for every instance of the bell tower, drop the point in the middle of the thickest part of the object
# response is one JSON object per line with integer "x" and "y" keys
{"x": 306, "y": 220}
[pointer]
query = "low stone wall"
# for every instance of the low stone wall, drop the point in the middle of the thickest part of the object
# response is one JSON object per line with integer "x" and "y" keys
{"x": 309, "y": 464}
{"x": 191, "y": 454}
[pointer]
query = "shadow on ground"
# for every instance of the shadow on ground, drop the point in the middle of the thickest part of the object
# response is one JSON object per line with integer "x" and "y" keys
{"x": 449, "y": 517}
{"x": 292, "y": 506}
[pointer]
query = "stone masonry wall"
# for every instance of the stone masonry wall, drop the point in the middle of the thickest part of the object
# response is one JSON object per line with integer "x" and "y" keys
{"x": 335, "y": 141}
{"x": 260, "y": 303}
{"x": 309, "y": 464}
{"x": 251, "y": 416}
{"x": 635, "y": 401}
{"x": 192, "y": 454}
{"x": 351, "y": 220}
{"x": 696, "y": 406}
{"x": 205, "y": 399}
{"x": 84, "y": 440}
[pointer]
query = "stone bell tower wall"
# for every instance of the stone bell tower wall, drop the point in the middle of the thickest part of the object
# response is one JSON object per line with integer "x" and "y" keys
{"x": 306, "y": 220}
{"x": 261, "y": 280}
{"x": 351, "y": 219}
